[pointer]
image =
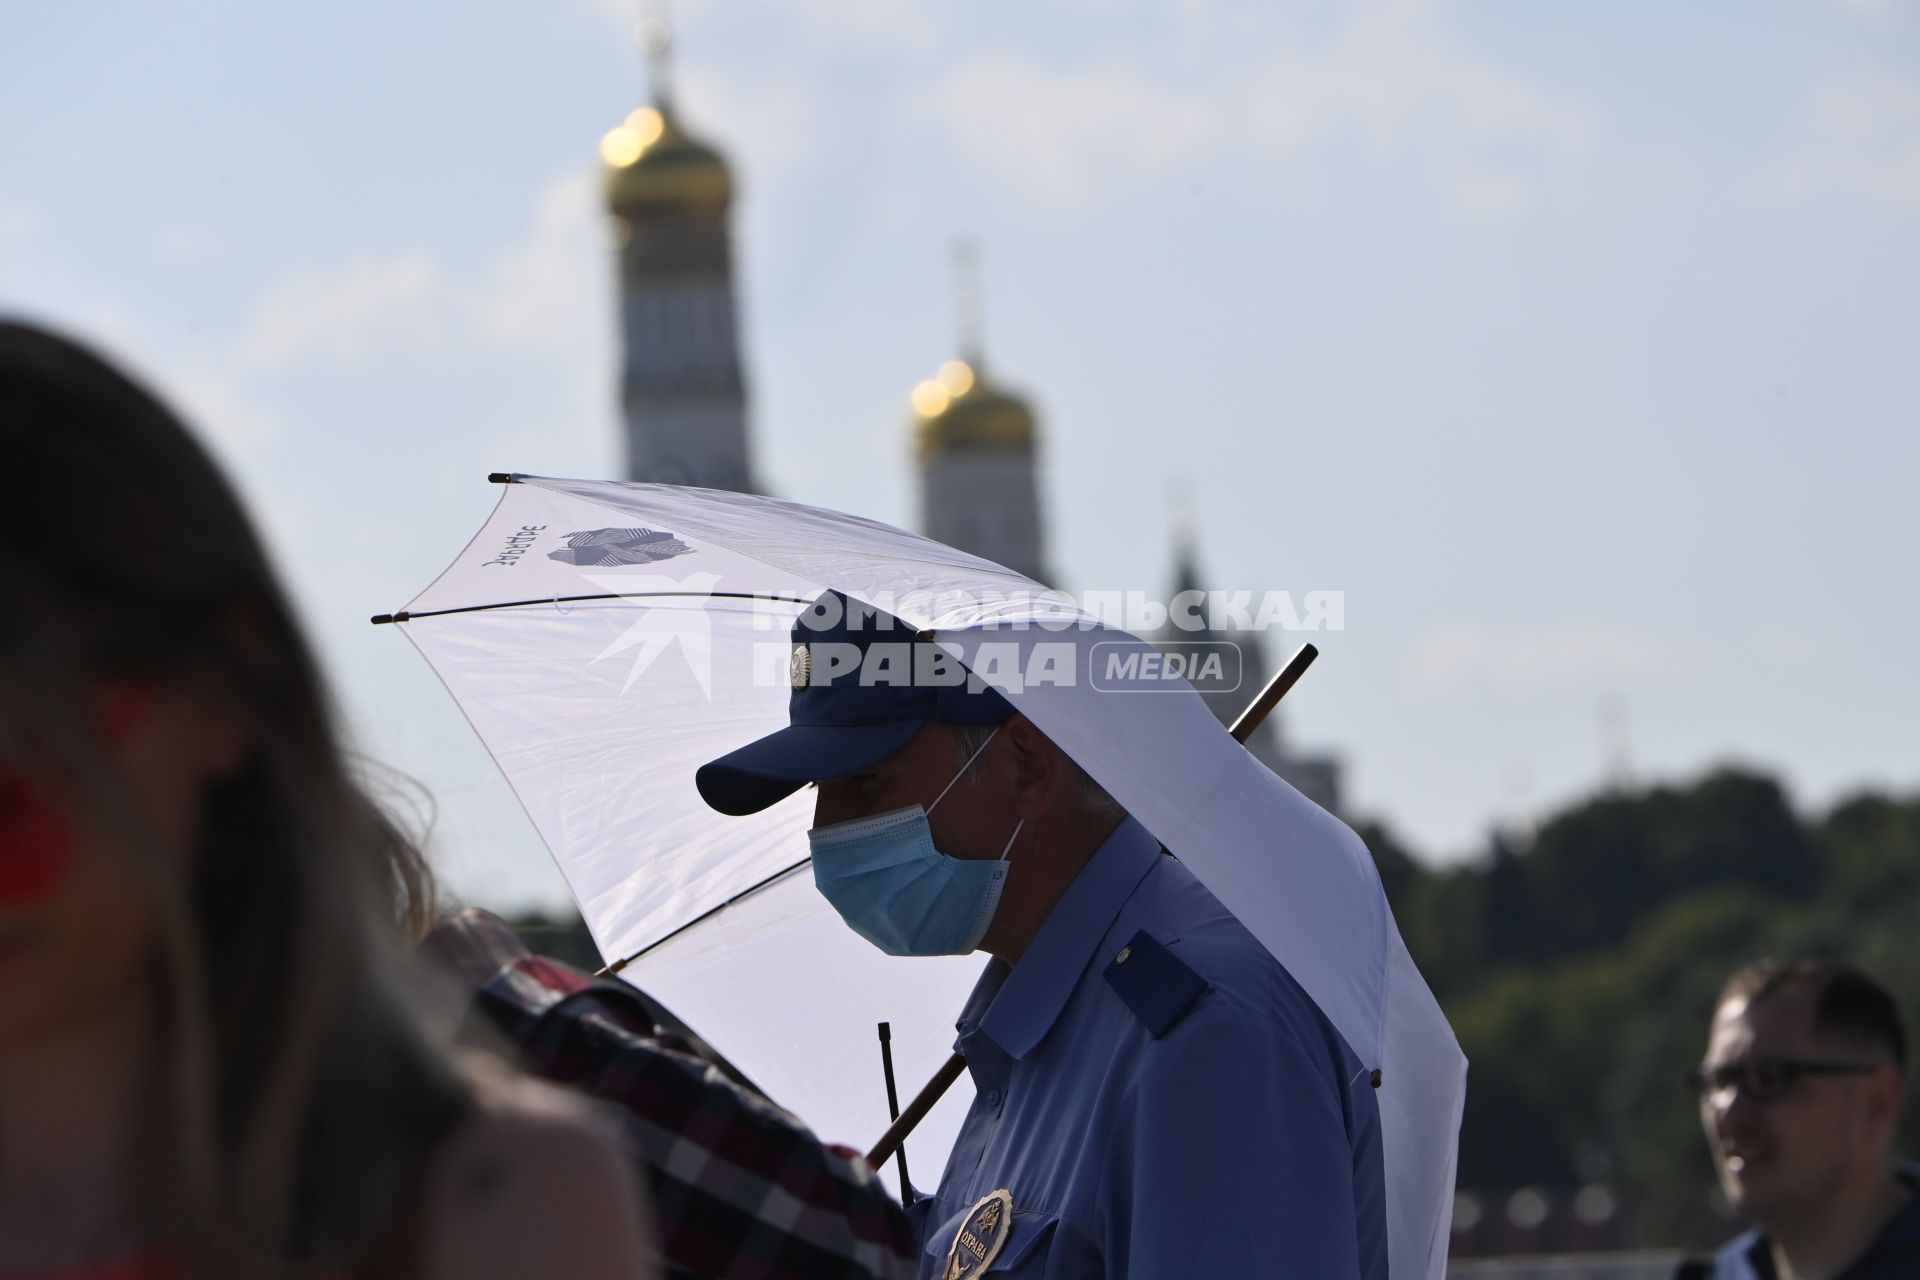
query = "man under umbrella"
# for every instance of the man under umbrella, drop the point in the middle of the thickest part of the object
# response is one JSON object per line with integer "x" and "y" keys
{"x": 1154, "y": 1094}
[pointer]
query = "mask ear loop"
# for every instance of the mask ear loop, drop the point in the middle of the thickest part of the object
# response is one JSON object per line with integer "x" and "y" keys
{"x": 963, "y": 773}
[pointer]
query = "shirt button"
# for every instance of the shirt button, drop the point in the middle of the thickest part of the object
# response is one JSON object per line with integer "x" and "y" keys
{"x": 993, "y": 1097}
{"x": 1122, "y": 957}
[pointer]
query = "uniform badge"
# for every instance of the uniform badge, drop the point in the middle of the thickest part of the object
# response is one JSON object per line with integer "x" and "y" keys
{"x": 800, "y": 670}
{"x": 983, "y": 1233}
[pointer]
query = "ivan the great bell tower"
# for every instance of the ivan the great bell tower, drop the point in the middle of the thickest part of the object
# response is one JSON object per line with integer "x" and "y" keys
{"x": 682, "y": 394}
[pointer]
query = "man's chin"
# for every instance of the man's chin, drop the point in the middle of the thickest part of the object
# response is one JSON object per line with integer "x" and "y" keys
{"x": 1749, "y": 1187}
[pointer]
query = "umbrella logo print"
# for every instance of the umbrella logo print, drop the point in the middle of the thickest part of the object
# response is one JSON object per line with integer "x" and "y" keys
{"x": 610, "y": 548}
{"x": 660, "y": 627}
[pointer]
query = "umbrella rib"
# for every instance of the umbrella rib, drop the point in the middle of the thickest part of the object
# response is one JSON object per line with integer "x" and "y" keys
{"x": 741, "y": 896}
{"x": 381, "y": 619}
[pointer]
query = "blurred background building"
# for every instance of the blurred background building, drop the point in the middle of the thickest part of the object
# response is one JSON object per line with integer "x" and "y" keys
{"x": 976, "y": 447}
{"x": 975, "y": 442}
{"x": 682, "y": 393}
{"x": 977, "y": 454}
{"x": 1315, "y": 776}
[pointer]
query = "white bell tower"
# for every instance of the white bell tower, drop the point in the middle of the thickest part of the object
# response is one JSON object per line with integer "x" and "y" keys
{"x": 682, "y": 392}
{"x": 977, "y": 448}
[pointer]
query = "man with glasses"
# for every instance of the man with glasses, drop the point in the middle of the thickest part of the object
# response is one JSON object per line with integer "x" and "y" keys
{"x": 1800, "y": 1094}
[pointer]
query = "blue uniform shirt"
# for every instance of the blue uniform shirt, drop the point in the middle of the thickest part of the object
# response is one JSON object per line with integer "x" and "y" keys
{"x": 1894, "y": 1253}
{"x": 1187, "y": 1111}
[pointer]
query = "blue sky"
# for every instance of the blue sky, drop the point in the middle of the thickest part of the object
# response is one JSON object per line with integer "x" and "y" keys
{"x": 1573, "y": 343}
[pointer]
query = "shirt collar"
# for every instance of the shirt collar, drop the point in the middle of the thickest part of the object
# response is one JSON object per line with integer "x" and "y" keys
{"x": 1029, "y": 999}
{"x": 1904, "y": 1229}
{"x": 1902, "y": 1232}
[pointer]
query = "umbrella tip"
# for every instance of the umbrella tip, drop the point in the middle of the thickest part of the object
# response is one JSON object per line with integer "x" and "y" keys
{"x": 501, "y": 477}
{"x": 382, "y": 619}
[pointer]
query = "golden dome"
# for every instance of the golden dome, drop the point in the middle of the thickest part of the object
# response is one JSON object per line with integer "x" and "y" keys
{"x": 959, "y": 410}
{"x": 651, "y": 161}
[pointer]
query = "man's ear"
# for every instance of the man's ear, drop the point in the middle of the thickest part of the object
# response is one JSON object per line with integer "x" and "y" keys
{"x": 1037, "y": 772}
{"x": 1886, "y": 1092}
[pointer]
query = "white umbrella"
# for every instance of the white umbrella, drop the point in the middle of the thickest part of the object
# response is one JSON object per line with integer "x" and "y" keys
{"x": 606, "y": 639}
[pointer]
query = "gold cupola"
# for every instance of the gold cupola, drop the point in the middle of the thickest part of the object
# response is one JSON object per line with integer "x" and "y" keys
{"x": 959, "y": 411}
{"x": 655, "y": 166}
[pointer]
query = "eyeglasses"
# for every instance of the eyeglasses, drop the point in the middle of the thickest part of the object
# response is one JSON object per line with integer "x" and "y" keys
{"x": 1763, "y": 1081}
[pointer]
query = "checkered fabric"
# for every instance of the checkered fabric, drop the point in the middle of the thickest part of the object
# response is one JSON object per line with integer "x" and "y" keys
{"x": 741, "y": 1189}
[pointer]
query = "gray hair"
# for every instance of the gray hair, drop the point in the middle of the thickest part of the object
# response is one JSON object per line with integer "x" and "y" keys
{"x": 970, "y": 739}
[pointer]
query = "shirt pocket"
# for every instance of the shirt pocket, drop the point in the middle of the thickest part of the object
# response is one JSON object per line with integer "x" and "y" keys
{"x": 1023, "y": 1257}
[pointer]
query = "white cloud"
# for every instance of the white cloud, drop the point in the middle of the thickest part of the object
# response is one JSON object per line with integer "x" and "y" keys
{"x": 185, "y": 245}
{"x": 769, "y": 125}
{"x": 624, "y": 13}
{"x": 1855, "y": 135}
{"x": 368, "y": 308}
{"x": 543, "y": 291}
{"x": 1067, "y": 138}
{"x": 548, "y": 303}
{"x": 199, "y": 382}
{"x": 1396, "y": 78}
{"x": 1872, "y": 9}
{"x": 895, "y": 26}
{"x": 1490, "y": 193}
{"x": 888, "y": 26}
{"x": 546, "y": 292}
{"x": 19, "y": 222}
{"x": 220, "y": 406}
{"x": 1452, "y": 659}
{"x": 1393, "y": 77}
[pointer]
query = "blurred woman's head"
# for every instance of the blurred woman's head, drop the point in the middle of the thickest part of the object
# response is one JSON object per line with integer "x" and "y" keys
{"x": 180, "y": 836}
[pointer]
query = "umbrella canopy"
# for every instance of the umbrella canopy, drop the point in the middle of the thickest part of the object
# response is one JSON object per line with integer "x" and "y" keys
{"x": 605, "y": 639}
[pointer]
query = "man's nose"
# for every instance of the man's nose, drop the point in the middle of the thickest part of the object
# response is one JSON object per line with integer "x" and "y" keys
{"x": 1733, "y": 1110}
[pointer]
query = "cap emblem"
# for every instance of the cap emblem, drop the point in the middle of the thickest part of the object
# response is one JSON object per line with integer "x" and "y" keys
{"x": 800, "y": 669}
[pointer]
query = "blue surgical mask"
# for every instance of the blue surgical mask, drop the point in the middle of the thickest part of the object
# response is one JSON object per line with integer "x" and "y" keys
{"x": 893, "y": 888}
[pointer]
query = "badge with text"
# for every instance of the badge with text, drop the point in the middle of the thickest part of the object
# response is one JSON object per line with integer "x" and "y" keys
{"x": 983, "y": 1233}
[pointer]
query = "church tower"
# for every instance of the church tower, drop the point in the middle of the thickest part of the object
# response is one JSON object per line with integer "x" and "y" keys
{"x": 977, "y": 449}
{"x": 682, "y": 393}
{"x": 1315, "y": 776}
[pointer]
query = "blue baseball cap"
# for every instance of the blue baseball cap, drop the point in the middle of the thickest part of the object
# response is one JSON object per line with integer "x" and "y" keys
{"x": 864, "y": 683}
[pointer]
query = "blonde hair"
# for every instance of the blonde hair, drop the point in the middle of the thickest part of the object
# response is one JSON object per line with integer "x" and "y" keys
{"x": 302, "y": 1101}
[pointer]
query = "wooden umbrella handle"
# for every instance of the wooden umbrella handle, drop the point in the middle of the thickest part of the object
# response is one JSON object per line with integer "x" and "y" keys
{"x": 943, "y": 1079}
{"x": 916, "y": 1111}
{"x": 1276, "y": 689}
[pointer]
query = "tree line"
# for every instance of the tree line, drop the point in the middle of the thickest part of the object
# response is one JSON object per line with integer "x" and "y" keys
{"x": 1579, "y": 967}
